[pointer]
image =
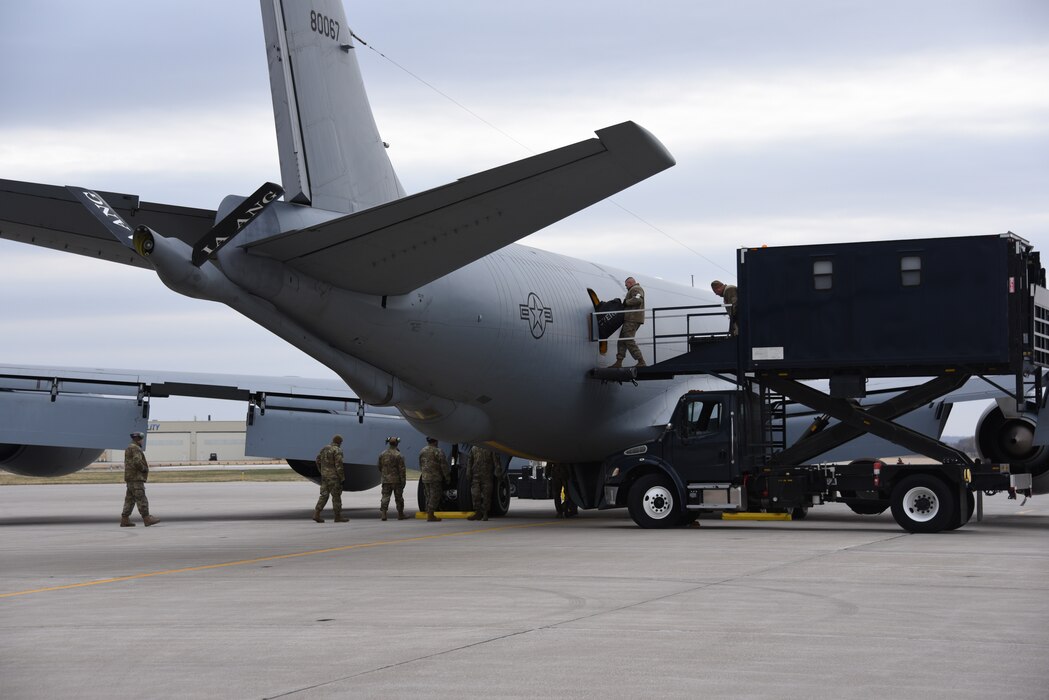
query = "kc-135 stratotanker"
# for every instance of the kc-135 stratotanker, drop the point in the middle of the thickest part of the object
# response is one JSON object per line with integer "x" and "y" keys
{"x": 424, "y": 305}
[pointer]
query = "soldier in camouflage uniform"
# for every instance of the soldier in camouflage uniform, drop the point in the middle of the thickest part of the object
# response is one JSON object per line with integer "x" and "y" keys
{"x": 394, "y": 475}
{"x": 136, "y": 472}
{"x": 483, "y": 468}
{"x": 730, "y": 294}
{"x": 435, "y": 474}
{"x": 333, "y": 472}
{"x": 632, "y": 320}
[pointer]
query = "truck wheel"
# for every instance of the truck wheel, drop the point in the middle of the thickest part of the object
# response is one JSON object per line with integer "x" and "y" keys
{"x": 922, "y": 503}
{"x": 969, "y": 508}
{"x": 653, "y": 502}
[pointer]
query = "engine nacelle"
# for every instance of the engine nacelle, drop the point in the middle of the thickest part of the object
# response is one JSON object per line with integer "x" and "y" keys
{"x": 43, "y": 461}
{"x": 1010, "y": 439}
{"x": 359, "y": 477}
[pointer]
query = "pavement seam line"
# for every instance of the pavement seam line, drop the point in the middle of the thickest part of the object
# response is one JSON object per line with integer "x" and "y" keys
{"x": 274, "y": 557}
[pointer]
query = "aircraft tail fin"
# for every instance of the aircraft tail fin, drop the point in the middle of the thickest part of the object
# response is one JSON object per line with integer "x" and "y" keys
{"x": 331, "y": 155}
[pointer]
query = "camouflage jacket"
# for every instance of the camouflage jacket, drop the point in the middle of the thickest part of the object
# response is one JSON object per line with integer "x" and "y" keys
{"x": 433, "y": 465}
{"x": 635, "y": 302}
{"x": 391, "y": 466}
{"x": 135, "y": 466}
{"x": 730, "y": 296}
{"x": 329, "y": 462}
{"x": 483, "y": 464}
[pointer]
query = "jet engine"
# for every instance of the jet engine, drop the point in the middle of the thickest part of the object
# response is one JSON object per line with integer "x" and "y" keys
{"x": 43, "y": 460}
{"x": 359, "y": 477}
{"x": 1002, "y": 437}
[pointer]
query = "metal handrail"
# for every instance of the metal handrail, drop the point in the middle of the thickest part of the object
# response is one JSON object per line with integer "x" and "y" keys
{"x": 661, "y": 312}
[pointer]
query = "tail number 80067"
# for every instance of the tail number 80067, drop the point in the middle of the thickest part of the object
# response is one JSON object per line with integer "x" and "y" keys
{"x": 324, "y": 25}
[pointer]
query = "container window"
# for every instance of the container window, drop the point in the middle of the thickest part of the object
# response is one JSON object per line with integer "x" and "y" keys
{"x": 822, "y": 274}
{"x": 911, "y": 270}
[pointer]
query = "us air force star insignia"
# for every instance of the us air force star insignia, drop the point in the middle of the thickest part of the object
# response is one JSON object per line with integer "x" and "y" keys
{"x": 537, "y": 315}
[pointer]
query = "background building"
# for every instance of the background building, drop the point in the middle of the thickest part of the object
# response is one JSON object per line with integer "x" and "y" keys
{"x": 192, "y": 441}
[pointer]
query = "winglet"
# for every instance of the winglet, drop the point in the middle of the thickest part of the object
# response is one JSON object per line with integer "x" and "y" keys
{"x": 105, "y": 213}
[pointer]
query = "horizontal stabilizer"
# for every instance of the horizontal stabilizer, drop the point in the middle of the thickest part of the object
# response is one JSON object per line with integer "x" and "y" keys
{"x": 397, "y": 247}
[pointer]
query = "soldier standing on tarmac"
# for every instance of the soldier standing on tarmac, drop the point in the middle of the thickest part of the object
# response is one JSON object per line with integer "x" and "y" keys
{"x": 136, "y": 472}
{"x": 329, "y": 463}
{"x": 482, "y": 479}
{"x": 435, "y": 474}
{"x": 394, "y": 475}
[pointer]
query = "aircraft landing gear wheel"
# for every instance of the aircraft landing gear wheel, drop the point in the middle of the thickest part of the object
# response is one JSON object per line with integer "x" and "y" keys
{"x": 922, "y": 503}
{"x": 465, "y": 498}
{"x": 500, "y": 497}
{"x": 654, "y": 503}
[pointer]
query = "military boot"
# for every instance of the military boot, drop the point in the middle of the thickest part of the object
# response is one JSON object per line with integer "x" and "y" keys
{"x": 431, "y": 518}
{"x": 617, "y": 364}
{"x": 148, "y": 520}
{"x": 401, "y": 515}
{"x": 338, "y": 517}
{"x": 125, "y": 521}
{"x": 484, "y": 517}
{"x": 474, "y": 516}
{"x": 383, "y": 517}
{"x": 317, "y": 516}
{"x": 640, "y": 362}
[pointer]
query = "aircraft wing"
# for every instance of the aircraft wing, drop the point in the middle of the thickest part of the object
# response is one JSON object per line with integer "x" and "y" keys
{"x": 50, "y": 216}
{"x": 400, "y": 246}
{"x": 301, "y": 392}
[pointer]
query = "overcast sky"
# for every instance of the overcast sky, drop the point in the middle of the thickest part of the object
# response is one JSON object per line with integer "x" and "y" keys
{"x": 791, "y": 122}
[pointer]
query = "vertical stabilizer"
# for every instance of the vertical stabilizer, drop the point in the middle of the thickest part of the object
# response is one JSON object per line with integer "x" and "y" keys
{"x": 331, "y": 155}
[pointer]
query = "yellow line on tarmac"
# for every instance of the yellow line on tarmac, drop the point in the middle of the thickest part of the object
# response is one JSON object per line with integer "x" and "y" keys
{"x": 273, "y": 557}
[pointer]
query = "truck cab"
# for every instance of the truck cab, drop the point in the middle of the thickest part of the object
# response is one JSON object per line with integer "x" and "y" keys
{"x": 696, "y": 459}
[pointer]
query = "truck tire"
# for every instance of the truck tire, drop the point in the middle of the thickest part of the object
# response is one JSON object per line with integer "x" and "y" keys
{"x": 922, "y": 503}
{"x": 969, "y": 508}
{"x": 654, "y": 503}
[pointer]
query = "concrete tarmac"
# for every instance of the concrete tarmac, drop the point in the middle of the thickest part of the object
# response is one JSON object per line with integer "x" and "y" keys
{"x": 238, "y": 594}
